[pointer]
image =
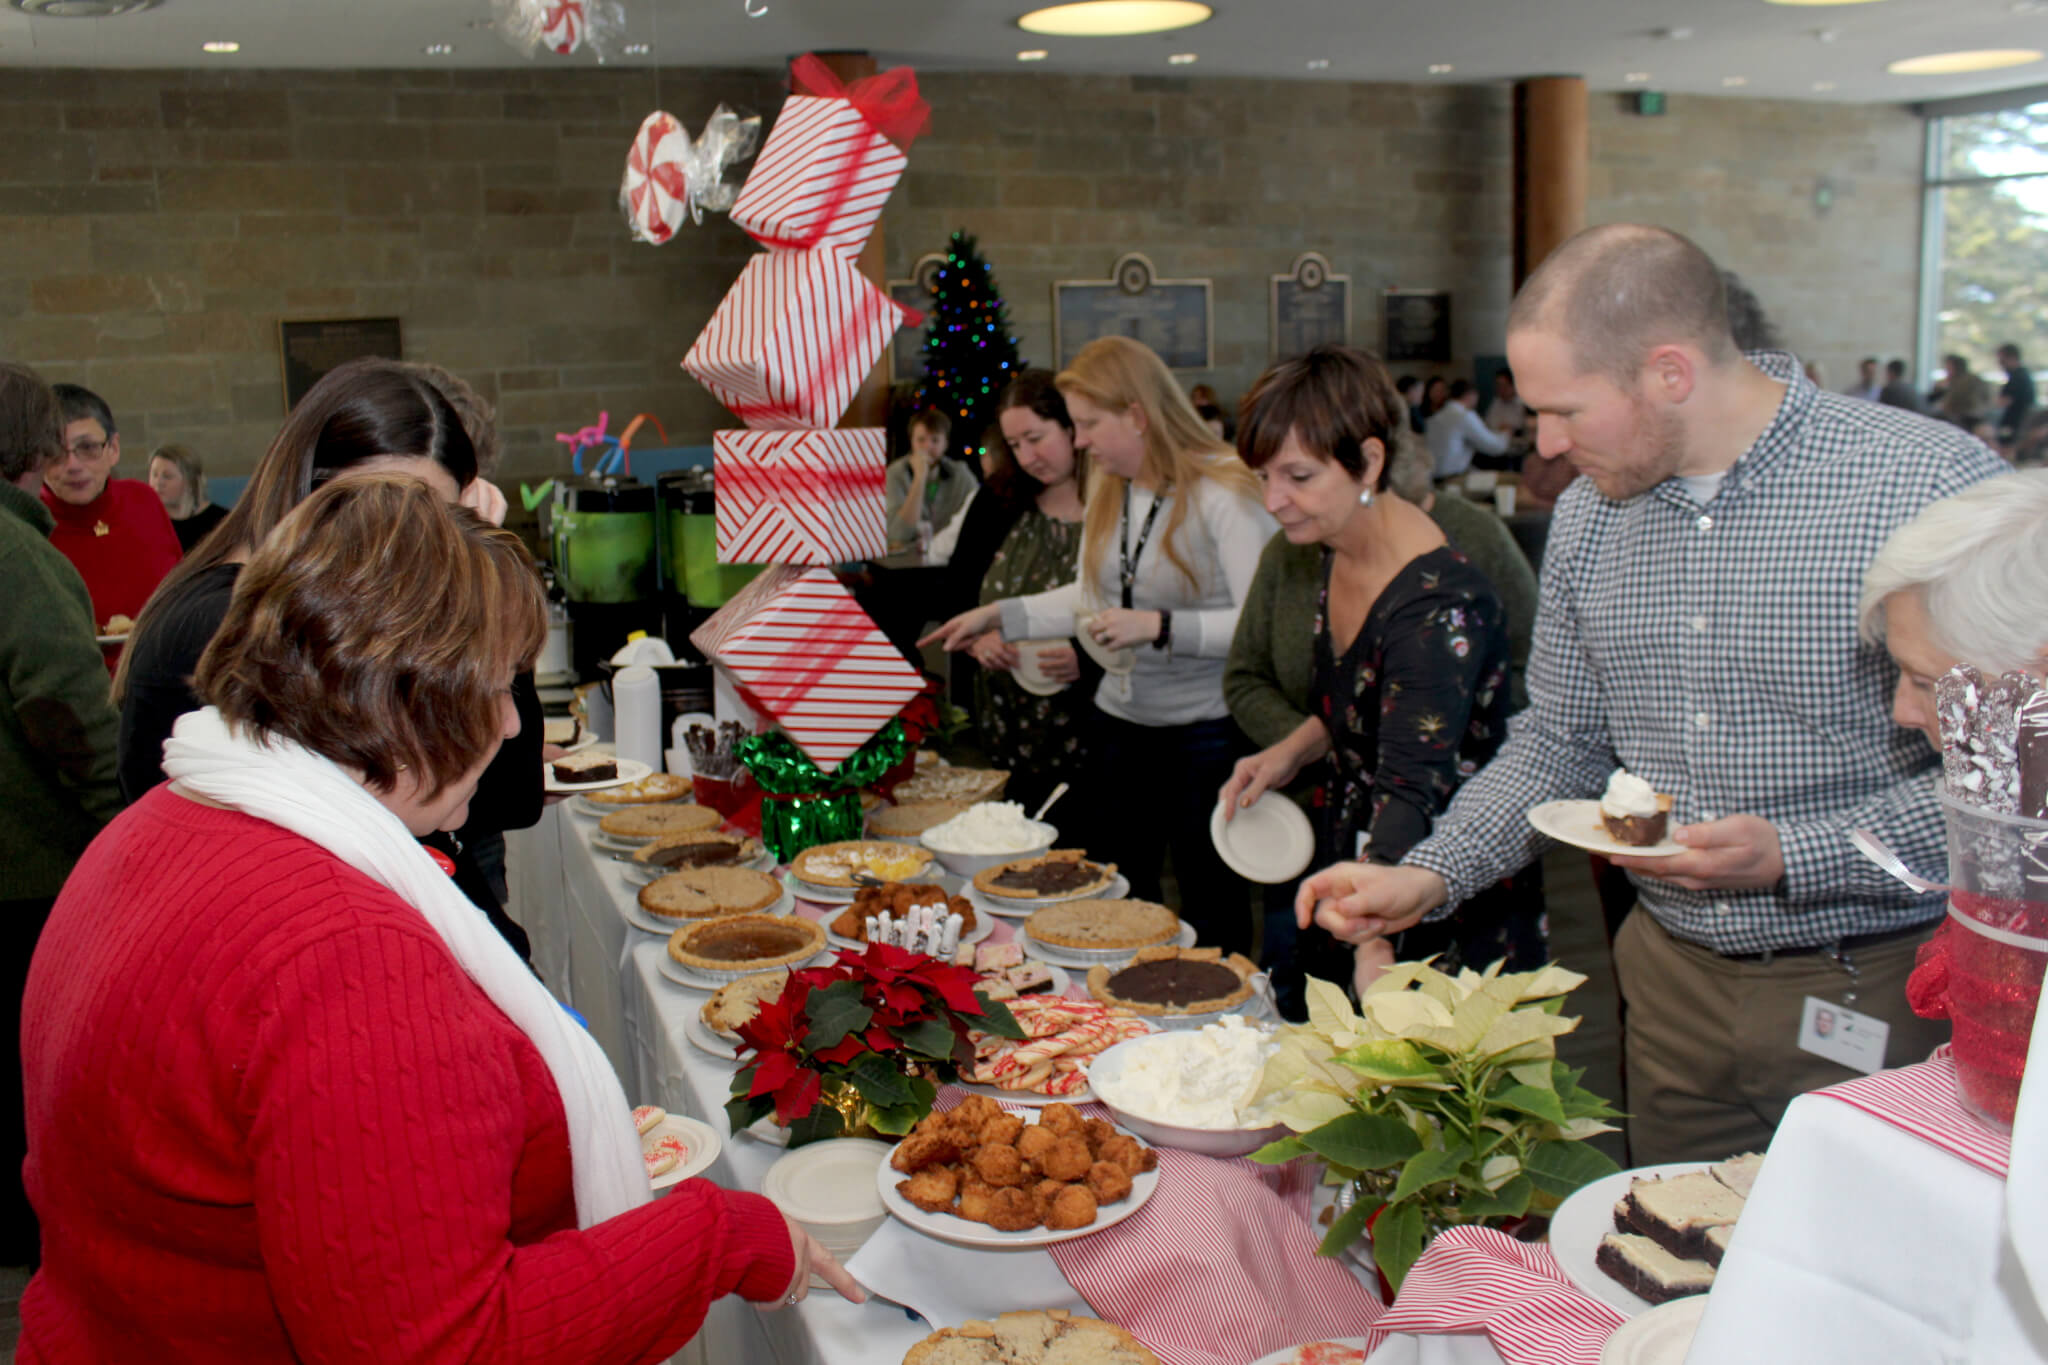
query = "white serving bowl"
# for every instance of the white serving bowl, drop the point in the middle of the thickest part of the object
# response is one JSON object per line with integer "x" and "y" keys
{"x": 829, "y": 1189}
{"x": 967, "y": 864}
{"x": 1107, "y": 1069}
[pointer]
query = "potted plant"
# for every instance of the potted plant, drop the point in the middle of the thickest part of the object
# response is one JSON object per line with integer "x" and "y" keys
{"x": 1440, "y": 1100}
{"x": 861, "y": 1045}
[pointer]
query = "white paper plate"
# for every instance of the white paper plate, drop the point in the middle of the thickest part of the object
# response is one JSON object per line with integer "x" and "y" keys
{"x": 1578, "y": 823}
{"x": 689, "y": 980}
{"x": 785, "y": 904}
{"x": 1017, "y": 908}
{"x": 830, "y": 1182}
{"x": 1293, "y": 1355}
{"x": 983, "y": 927}
{"x": 1587, "y": 1216}
{"x": 1114, "y": 661}
{"x": 705, "y": 1039}
{"x": 1661, "y": 1336}
{"x": 1038, "y": 689}
{"x": 1269, "y": 842}
{"x": 630, "y": 770}
{"x": 639, "y": 874}
{"x": 959, "y": 1231}
{"x": 1117, "y": 957}
{"x": 1027, "y": 1099}
{"x": 703, "y": 1142}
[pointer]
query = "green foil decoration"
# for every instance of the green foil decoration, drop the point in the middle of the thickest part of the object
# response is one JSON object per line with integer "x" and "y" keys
{"x": 802, "y": 807}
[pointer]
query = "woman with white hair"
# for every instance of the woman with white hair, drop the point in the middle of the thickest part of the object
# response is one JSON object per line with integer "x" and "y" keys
{"x": 1963, "y": 582}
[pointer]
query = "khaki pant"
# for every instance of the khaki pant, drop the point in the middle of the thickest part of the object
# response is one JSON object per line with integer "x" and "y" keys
{"x": 1712, "y": 1043}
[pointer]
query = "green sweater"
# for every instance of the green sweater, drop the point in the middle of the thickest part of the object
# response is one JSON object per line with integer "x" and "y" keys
{"x": 57, "y": 718}
{"x": 1273, "y": 656}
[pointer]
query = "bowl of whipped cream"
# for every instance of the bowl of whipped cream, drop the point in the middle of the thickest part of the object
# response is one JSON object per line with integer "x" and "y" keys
{"x": 1192, "y": 1090}
{"x": 985, "y": 834}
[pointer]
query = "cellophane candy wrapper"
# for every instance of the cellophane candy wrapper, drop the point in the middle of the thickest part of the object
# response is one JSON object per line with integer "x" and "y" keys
{"x": 668, "y": 175}
{"x": 561, "y": 27}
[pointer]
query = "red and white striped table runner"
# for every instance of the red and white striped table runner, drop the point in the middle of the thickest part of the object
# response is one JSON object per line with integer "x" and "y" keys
{"x": 1922, "y": 1100}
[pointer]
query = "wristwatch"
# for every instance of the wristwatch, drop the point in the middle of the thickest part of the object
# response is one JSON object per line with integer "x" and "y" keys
{"x": 1165, "y": 636}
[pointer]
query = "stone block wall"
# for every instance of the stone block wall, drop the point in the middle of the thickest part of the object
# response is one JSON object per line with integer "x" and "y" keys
{"x": 155, "y": 226}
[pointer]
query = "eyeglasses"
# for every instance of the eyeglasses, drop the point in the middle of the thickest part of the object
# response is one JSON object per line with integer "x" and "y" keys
{"x": 86, "y": 450}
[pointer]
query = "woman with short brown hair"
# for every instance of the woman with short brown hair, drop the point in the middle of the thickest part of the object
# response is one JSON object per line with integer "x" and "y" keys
{"x": 289, "y": 1097}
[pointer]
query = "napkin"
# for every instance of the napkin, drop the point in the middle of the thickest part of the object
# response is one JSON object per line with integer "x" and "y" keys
{"x": 949, "y": 1284}
{"x": 1479, "y": 1280}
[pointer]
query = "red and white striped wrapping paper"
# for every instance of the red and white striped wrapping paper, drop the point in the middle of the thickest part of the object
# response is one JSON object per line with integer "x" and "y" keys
{"x": 1922, "y": 1100}
{"x": 1481, "y": 1280}
{"x": 805, "y": 653}
{"x": 793, "y": 339}
{"x": 800, "y": 497}
{"x": 820, "y": 180}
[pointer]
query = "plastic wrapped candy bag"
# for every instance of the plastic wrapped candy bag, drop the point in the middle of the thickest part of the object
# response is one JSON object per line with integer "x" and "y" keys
{"x": 563, "y": 27}
{"x": 727, "y": 140}
{"x": 667, "y": 174}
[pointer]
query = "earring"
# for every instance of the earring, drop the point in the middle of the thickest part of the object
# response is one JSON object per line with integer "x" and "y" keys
{"x": 1365, "y": 497}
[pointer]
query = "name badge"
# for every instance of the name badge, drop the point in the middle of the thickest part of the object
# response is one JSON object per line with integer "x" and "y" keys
{"x": 1843, "y": 1036}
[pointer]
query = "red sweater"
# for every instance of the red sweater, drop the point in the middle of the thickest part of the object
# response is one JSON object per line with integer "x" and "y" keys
{"x": 270, "y": 1119}
{"x": 122, "y": 543}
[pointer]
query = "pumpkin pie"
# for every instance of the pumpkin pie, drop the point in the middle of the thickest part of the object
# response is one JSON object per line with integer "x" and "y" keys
{"x": 740, "y": 945}
{"x": 1174, "y": 980}
{"x": 1093, "y": 926}
{"x": 709, "y": 892}
{"x": 649, "y": 790}
{"x": 843, "y": 863}
{"x": 736, "y": 1002}
{"x": 647, "y": 822}
{"x": 1062, "y": 874}
{"x": 1036, "y": 1337}
{"x": 696, "y": 848}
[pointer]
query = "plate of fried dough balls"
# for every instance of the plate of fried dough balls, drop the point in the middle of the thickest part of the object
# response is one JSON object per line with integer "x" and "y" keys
{"x": 982, "y": 1176}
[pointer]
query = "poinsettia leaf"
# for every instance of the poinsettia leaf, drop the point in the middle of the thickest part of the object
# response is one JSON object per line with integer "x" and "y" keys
{"x": 897, "y": 1119}
{"x": 926, "y": 1037}
{"x": 1397, "y": 1241}
{"x": 840, "y": 1053}
{"x": 1349, "y": 1228}
{"x": 1364, "y": 1142}
{"x": 742, "y": 1110}
{"x": 1281, "y": 1150}
{"x": 1511, "y": 1200}
{"x": 1426, "y": 1167}
{"x": 996, "y": 1018}
{"x": 820, "y": 1125}
{"x": 1527, "y": 1099}
{"x": 772, "y": 1072}
{"x": 1541, "y": 1075}
{"x": 879, "y": 1082}
{"x": 904, "y": 997}
{"x": 955, "y": 986}
{"x": 881, "y": 1040}
{"x": 1392, "y": 1061}
{"x": 835, "y": 1012}
{"x": 1561, "y": 1167}
{"x": 797, "y": 1096}
{"x": 922, "y": 1093}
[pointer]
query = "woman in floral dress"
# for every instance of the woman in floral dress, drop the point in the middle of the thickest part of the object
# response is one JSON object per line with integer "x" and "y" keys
{"x": 1408, "y": 692}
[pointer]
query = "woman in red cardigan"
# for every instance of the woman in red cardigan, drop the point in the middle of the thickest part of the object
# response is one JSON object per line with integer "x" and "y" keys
{"x": 290, "y": 1097}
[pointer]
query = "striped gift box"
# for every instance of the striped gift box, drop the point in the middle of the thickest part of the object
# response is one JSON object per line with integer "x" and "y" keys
{"x": 804, "y": 653}
{"x": 820, "y": 180}
{"x": 793, "y": 339}
{"x": 800, "y": 497}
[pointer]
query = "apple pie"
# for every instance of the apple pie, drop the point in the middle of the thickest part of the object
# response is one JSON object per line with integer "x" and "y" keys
{"x": 1102, "y": 926}
{"x": 709, "y": 892}
{"x": 647, "y": 822}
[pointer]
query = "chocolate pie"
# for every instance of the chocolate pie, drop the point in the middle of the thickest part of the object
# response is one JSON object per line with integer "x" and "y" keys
{"x": 1062, "y": 874}
{"x": 1102, "y": 926}
{"x": 649, "y": 790}
{"x": 709, "y": 892}
{"x": 697, "y": 848}
{"x": 842, "y": 864}
{"x": 1176, "y": 981}
{"x": 647, "y": 822}
{"x": 744, "y": 944}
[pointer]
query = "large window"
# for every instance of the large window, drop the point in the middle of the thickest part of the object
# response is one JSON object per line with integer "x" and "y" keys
{"x": 1988, "y": 238}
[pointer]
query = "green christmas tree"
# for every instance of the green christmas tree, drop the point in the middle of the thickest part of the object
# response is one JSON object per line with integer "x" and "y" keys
{"x": 969, "y": 354}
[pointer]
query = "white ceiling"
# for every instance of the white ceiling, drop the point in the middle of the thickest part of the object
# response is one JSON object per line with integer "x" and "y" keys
{"x": 1774, "y": 48}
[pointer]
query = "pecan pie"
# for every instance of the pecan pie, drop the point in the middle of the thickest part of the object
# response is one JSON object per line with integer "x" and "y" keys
{"x": 709, "y": 892}
{"x": 727, "y": 949}
{"x": 1102, "y": 926}
{"x": 1171, "y": 980}
{"x": 697, "y": 848}
{"x": 1062, "y": 874}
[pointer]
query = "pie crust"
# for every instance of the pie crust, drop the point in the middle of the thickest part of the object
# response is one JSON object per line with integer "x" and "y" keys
{"x": 649, "y": 790}
{"x": 1027, "y": 1338}
{"x": 740, "y": 945}
{"x": 985, "y": 880}
{"x": 828, "y": 864}
{"x": 912, "y": 818}
{"x": 966, "y": 785}
{"x": 709, "y": 892}
{"x": 1103, "y": 926}
{"x": 738, "y": 1001}
{"x": 743, "y": 849}
{"x": 647, "y": 822}
{"x": 1102, "y": 979}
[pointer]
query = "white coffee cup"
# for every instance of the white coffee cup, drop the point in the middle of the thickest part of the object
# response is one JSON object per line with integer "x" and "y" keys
{"x": 1504, "y": 499}
{"x": 1030, "y": 669}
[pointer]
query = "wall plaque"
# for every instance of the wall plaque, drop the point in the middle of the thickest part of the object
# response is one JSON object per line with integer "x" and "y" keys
{"x": 1308, "y": 307}
{"x": 308, "y": 350}
{"x": 1418, "y": 326}
{"x": 1176, "y": 318}
{"x": 906, "y": 348}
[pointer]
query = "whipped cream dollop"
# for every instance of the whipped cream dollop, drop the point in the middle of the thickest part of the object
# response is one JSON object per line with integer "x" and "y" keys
{"x": 990, "y": 827}
{"x": 1198, "y": 1079}
{"x": 1628, "y": 795}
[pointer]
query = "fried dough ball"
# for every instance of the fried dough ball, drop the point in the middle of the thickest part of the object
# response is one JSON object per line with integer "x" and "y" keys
{"x": 1074, "y": 1207}
{"x": 1036, "y": 1141}
{"x": 1063, "y": 1119}
{"x": 1108, "y": 1182}
{"x": 1043, "y": 1194}
{"x": 1003, "y": 1130}
{"x": 1068, "y": 1160}
{"x": 931, "y": 1189}
{"x": 976, "y": 1195}
{"x": 973, "y": 1112}
{"x": 1129, "y": 1153}
{"x": 1098, "y": 1131}
{"x": 920, "y": 1150}
{"x": 1012, "y": 1210}
{"x": 998, "y": 1164}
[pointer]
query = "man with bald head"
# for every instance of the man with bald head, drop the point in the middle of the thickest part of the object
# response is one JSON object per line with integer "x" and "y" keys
{"x": 1697, "y": 626}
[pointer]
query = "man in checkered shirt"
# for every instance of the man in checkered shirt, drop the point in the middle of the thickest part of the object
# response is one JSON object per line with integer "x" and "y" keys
{"x": 1698, "y": 627}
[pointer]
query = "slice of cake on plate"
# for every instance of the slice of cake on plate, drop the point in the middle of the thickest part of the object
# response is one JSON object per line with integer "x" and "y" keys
{"x": 1634, "y": 812}
{"x": 585, "y": 767}
{"x": 1677, "y": 1212}
{"x": 1649, "y": 1271}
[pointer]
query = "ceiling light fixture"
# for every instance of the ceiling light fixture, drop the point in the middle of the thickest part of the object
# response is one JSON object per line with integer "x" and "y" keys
{"x": 438, "y": 49}
{"x": 220, "y": 48}
{"x": 1957, "y": 63}
{"x": 1636, "y": 77}
{"x": 1182, "y": 59}
{"x": 1441, "y": 68}
{"x": 81, "y": 9}
{"x": 1815, "y": 3}
{"x": 1115, "y": 18}
{"x": 1823, "y": 86}
{"x": 1319, "y": 63}
{"x": 1036, "y": 54}
{"x": 637, "y": 49}
{"x": 1732, "y": 81}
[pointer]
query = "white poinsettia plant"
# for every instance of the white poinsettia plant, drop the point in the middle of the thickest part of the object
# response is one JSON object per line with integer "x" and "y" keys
{"x": 1441, "y": 1098}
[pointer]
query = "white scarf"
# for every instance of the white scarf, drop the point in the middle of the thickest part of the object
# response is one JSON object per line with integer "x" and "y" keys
{"x": 290, "y": 786}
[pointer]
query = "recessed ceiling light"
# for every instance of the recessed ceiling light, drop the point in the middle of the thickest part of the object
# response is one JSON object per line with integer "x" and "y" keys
{"x": 1441, "y": 68}
{"x": 1035, "y": 54}
{"x": 1818, "y": 2}
{"x": 1183, "y": 59}
{"x": 1113, "y": 18}
{"x": 1319, "y": 63}
{"x": 81, "y": 9}
{"x": 220, "y": 47}
{"x": 1636, "y": 77}
{"x": 1823, "y": 86}
{"x": 637, "y": 49}
{"x": 1955, "y": 63}
{"x": 438, "y": 49}
{"x": 1732, "y": 81}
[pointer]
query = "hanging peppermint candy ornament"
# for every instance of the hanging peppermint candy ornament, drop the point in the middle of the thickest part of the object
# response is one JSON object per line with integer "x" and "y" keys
{"x": 563, "y": 23}
{"x": 656, "y": 193}
{"x": 563, "y": 27}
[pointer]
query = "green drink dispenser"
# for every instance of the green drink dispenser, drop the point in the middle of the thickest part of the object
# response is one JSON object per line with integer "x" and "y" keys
{"x": 603, "y": 545}
{"x": 690, "y": 530}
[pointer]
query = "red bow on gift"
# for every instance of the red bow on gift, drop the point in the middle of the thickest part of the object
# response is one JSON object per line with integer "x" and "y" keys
{"x": 888, "y": 100}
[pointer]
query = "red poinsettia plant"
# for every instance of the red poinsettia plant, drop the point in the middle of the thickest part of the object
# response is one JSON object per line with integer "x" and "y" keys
{"x": 866, "y": 1040}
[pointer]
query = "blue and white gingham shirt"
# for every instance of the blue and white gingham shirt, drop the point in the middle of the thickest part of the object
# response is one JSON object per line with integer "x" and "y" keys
{"x": 1712, "y": 650}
